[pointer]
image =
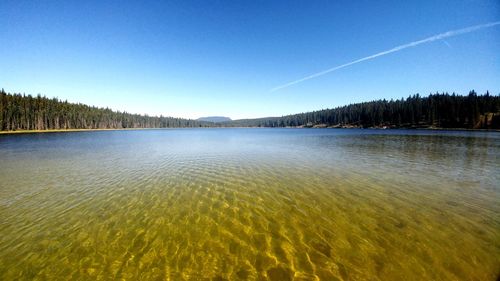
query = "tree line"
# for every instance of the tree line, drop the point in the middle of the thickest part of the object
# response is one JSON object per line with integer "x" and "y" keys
{"x": 440, "y": 110}
{"x": 25, "y": 112}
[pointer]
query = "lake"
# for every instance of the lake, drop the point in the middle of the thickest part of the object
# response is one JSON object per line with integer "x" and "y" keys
{"x": 247, "y": 204}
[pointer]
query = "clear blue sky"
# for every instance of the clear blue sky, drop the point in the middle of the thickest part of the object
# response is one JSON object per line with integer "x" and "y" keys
{"x": 198, "y": 58}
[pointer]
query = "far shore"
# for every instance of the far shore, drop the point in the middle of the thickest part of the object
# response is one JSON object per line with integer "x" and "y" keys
{"x": 297, "y": 127}
{"x": 69, "y": 130}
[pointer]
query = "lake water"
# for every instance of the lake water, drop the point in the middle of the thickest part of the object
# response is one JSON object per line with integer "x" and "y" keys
{"x": 250, "y": 204}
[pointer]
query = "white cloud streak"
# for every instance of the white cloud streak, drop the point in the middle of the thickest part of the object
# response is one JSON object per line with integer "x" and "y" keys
{"x": 446, "y": 43}
{"x": 440, "y": 36}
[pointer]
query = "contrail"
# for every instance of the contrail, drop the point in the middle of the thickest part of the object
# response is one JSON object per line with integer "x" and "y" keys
{"x": 395, "y": 49}
{"x": 446, "y": 43}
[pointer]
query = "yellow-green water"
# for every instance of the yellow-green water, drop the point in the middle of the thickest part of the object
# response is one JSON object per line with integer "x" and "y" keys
{"x": 250, "y": 204}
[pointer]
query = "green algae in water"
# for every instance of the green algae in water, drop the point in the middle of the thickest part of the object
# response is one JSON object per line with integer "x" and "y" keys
{"x": 247, "y": 204}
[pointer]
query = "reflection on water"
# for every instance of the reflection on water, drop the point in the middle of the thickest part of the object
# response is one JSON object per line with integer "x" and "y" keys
{"x": 246, "y": 204}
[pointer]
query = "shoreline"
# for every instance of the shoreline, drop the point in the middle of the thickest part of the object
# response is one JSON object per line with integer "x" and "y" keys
{"x": 298, "y": 127}
{"x": 70, "y": 130}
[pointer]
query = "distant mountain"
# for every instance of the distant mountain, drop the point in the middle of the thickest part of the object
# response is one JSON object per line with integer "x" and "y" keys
{"x": 215, "y": 119}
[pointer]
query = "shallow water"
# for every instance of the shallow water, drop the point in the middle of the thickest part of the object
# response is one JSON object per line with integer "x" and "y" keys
{"x": 246, "y": 204}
